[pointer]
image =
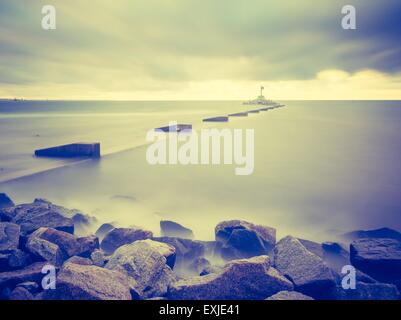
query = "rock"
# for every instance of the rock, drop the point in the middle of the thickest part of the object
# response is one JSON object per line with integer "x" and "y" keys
{"x": 368, "y": 291}
{"x": 83, "y": 282}
{"x": 45, "y": 250}
{"x": 210, "y": 269}
{"x": 379, "y": 258}
{"x": 306, "y": 270}
{"x": 19, "y": 259}
{"x": 289, "y": 295}
{"x": 103, "y": 230}
{"x": 199, "y": 265}
{"x": 376, "y": 233}
{"x": 173, "y": 229}
{"x": 121, "y": 236}
{"x": 166, "y": 250}
{"x": 5, "y": 201}
{"x": 4, "y": 262}
{"x": 143, "y": 262}
{"x": 246, "y": 279}
{"x": 313, "y": 247}
{"x": 87, "y": 245}
{"x": 9, "y": 236}
{"x": 20, "y": 293}
{"x": 32, "y": 272}
{"x": 243, "y": 239}
{"x": 32, "y": 216}
{"x": 97, "y": 257}
{"x": 79, "y": 260}
{"x": 31, "y": 286}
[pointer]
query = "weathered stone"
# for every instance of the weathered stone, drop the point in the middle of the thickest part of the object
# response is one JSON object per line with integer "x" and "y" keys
{"x": 83, "y": 282}
{"x": 79, "y": 260}
{"x": 5, "y": 201}
{"x": 240, "y": 279}
{"x": 97, "y": 257}
{"x": 186, "y": 250}
{"x": 31, "y": 286}
{"x": 199, "y": 265}
{"x": 210, "y": 269}
{"x": 166, "y": 250}
{"x": 144, "y": 263}
{"x": 45, "y": 250}
{"x": 379, "y": 258}
{"x": 367, "y": 291}
{"x": 306, "y": 270}
{"x": 19, "y": 259}
{"x": 32, "y": 272}
{"x": 103, "y": 230}
{"x": 289, "y": 295}
{"x": 243, "y": 239}
{"x": 121, "y": 236}
{"x": 9, "y": 236}
{"x": 87, "y": 245}
{"x": 173, "y": 229}
{"x": 20, "y": 293}
{"x": 376, "y": 233}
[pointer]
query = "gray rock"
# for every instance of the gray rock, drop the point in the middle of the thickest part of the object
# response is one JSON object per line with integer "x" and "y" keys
{"x": 379, "y": 258}
{"x": 306, "y": 270}
{"x": 5, "y": 201}
{"x": 32, "y": 216}
{"x": 83, "y": 282}
{"x": 31, "y": 286}
{"x": 19, "y": 259}
{"x": 32, "y": 272}
{"x": 20, "y": 293}
{"x": 45, "y": 250}
{"x": 199, "y": 265}
{"x": 210, "y": 269}
{"x": 166, "y": 250}
{"x": 103, "y": 230}
{"x": 186, "y": 250}
{"x": 239, "y": 280}
{"x": 87, "y": 245}
{"x": 173, "y": 229}
{"x": 9, "y": 236}
{"x": 121, "y": 236}
{"x": 79, "y": 260}
{"x": 368, "y": 291}
{"x": 241, "y": 239}
{"x": 98, "y": 258}
{"x": 142, "y": 261}
{"x": 83, "y": 222}
{"x": 376, "y": 233}
{"x": 289, "y": 295}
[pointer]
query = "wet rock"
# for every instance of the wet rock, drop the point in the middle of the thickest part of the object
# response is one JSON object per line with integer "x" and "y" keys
{"x": 289, "y": 295}
{"x": 20, "y": 293}
{"x": 379, "y": 258}
{"x": 83, "y": 282}
{"x": 143, "y": 262}
{"x": 32, "y": 272}
{"x": 79, "y": 260}
{"x": 376, "y": 233}
{"x": 5, "y": 202}
{"x": 9, "y": 236}
{"x": 243, "y": 239}
{"x": 306, "y": 270}
{"x": 121, "y": 236}
{"x": 368, "y": 291}
{"x": 239, "y": 280}
{"x": 103, "y": 230}
{"x": 98, "y": 258}
{"x": 166, "y": 250}
{"x": 173, "y": 229}
{"x": 45, "y": 250}
{"x": 87, "y": 245}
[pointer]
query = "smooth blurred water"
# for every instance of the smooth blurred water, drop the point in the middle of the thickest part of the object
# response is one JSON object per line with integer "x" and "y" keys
{"x": 321, "y": 167}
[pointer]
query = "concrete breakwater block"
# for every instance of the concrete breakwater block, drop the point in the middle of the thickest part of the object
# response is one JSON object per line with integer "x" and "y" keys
{"x": 175, "y": 128}
{"x": 216, "y": 119}
{"x": 72, "y": 150}
{"x": 239, "y": 114}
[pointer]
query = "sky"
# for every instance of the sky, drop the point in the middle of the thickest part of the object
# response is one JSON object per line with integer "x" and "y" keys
{"x": 200, "y": 50}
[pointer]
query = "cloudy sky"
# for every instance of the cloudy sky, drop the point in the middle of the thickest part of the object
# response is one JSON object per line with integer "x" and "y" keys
{"x": 209, "y": 49}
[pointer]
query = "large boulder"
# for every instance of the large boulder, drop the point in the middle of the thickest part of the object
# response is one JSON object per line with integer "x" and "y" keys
{"x": 32, "y": 272}
{"x": 377, "y": 257}
{"x": 9, "y": 236}
{"x": 121, "y": 236}
{"x": 103, "y": 230}
{"x": 85, "y": 282}
{"x": 38, "y": 214}
{"x": 146, "y": 264}
{"x": 242, "y": 239}
{"x": 5, "y": 201}
{"x": 174, "y": 229}
{"x": 45, "y": 250}
{"x": 375, "y": 233}
{"x": 289, "y": 295}
{"x": 307, "y": 271}
{"x": 246, "y": 279}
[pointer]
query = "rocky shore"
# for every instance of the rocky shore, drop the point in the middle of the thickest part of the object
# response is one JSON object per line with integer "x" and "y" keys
{"x": 244, "y": 262}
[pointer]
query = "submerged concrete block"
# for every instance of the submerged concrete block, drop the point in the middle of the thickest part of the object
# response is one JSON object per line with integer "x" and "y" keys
{"x": 175, "y": 128}
{"x": 216, "y": 119}
{"x": 72, "y": 150}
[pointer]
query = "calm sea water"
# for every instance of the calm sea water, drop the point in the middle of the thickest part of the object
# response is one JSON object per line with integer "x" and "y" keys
{"x": 321, "y": 167}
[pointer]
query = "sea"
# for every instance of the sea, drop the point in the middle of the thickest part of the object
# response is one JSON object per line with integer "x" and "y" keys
{"x": 321, "y": 168}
